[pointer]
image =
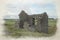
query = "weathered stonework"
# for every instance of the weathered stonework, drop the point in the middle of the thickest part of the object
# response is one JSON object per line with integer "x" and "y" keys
{"x": 36, "y": 22}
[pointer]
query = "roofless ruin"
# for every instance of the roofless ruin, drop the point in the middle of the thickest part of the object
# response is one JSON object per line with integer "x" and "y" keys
{"x": 36, "y": 22}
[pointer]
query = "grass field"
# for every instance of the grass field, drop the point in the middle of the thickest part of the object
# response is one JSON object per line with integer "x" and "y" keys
{"x": 14, "y": 32}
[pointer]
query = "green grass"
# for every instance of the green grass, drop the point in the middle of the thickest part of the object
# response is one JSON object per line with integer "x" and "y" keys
{"x": 14, "y": 32}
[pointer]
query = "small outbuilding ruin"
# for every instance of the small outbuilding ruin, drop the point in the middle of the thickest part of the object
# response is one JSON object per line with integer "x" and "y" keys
{"x": 36, "y": 22}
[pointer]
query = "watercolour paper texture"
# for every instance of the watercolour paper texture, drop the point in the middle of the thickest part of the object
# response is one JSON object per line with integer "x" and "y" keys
{"x": 29, "y": 20}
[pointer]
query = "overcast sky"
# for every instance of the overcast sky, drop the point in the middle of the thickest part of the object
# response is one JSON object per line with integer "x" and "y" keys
{"x": 14, "y": 7}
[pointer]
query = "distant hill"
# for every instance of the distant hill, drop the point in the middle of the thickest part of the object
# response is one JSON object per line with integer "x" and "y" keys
{"x": 11, "y": 17}
{"x": 17, "y": 17}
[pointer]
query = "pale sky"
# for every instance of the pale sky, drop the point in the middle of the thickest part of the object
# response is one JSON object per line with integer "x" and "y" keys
{"x": 14, "y": 7}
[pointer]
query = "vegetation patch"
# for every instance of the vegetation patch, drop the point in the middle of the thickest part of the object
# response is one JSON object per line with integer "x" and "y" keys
{"x": 10, "y": 30}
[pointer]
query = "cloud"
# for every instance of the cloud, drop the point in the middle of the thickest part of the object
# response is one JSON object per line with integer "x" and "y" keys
{"x": 30, "y": 6}
{"x": 30, "y": 1}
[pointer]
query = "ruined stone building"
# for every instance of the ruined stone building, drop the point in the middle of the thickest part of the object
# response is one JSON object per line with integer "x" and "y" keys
{"x": 36, "y": 22}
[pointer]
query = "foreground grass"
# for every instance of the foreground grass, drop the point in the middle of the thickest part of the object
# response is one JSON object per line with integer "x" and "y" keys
{"x": 14, "y": 32}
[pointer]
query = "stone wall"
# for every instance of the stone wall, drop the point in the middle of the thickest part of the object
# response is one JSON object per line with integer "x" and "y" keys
{"x": 36, "y": 22}
{"x": 44, "y": 23}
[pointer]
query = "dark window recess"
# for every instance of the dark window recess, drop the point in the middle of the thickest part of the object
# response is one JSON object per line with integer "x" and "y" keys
{"x": 29, "y": 25}
{"x": 33, "y": 21}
